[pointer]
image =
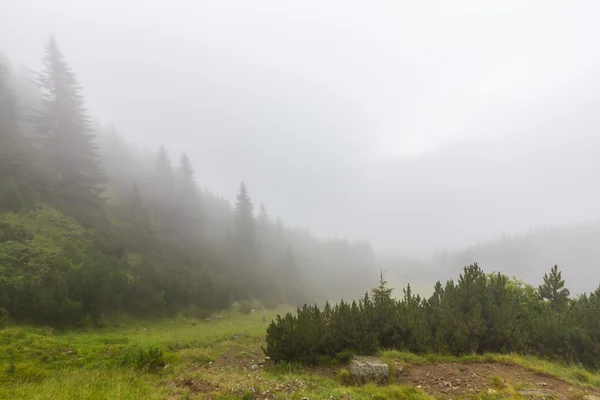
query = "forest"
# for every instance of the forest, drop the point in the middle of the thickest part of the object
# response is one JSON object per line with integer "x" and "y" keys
{"x": 91, "y": 226}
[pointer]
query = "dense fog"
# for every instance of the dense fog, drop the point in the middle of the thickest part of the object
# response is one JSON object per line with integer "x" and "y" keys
{"x": 418, "y": 138}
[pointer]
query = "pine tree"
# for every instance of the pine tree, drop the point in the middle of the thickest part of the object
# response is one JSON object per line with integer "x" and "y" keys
{"x": 186, "y": 169}
{"x": 553, "y": 289}
{"x": 164, "y": 173}
{"x": 263, "y": 220}
{"x": 245, "y": 230}
{"x": 244, "y": 213}
{"x": 69, "y": 146}
{"x": 189, "y": 210}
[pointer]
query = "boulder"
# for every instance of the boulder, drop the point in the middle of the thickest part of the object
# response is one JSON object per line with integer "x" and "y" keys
{"x": 369, "y": 369}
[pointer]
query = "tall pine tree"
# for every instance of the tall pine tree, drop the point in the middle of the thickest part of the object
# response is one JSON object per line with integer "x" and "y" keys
{"x": 69, "y": 142}
{"x": 245, "y": 230}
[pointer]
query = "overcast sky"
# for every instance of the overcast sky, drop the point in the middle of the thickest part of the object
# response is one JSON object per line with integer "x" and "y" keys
{"x": 392, "y": 121}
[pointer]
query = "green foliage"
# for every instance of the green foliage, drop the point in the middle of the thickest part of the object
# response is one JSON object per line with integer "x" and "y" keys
{"x": 478, "y": 314}
{"x": 245, "y": 307}
{"x": 343, "y": 357}
{"x": 149, "y": 360}
{"x": 553, "y": 289}
{"x": 345, "y": 377}
{"x": 69, "y": 148}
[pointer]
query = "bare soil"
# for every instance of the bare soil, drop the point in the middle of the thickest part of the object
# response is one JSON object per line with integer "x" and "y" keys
{"x": 455, "y": 380}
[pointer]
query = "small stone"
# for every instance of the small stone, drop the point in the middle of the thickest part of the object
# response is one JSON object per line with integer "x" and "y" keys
{"x": 542, "y": 384}
{"x": 492, "y": 391}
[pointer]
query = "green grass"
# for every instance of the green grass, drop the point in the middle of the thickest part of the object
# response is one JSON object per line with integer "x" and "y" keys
{"x": 38, "y": 362}
{"x": 215, "y": 356}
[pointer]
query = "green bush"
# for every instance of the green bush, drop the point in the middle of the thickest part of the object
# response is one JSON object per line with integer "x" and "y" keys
{"x": 245, "y": 308}
{"x": 478, "y": 313}
{"x": 151, "y": 359}
{"x": 345, "y": 377}
{"x": 343, "y": 357}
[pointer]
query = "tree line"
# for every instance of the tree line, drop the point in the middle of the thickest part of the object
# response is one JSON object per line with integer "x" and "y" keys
{"x": 478, "y": 313}
{"x": 91, "y": 225}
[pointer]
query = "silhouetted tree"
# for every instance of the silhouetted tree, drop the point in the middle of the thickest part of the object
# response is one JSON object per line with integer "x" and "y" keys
{"x": 69, "y": 146}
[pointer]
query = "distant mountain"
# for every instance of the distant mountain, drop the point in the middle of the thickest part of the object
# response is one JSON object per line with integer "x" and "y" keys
{"x": 529, "y": 256}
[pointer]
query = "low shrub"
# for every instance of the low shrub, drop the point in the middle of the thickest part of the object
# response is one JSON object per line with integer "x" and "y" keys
{"x": 245, "y": 308}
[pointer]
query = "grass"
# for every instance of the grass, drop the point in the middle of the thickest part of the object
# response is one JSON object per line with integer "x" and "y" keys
{"x": 196, "y": 358}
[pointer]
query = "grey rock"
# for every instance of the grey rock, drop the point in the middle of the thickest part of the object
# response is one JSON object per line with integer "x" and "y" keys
{"x": 369, "y": 369}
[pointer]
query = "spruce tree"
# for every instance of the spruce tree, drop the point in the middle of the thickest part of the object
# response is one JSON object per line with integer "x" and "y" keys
{"x": 186, "y": 169}
{"x": 553, "y": 289}
{"x": 245, "y": 230}
{"x": 69, "y": 147}
{"x": 263, "y": 222}
{"x": 244, "y": 214}
{"x": 164, "y": 174}
{"x": 189, "y": 210}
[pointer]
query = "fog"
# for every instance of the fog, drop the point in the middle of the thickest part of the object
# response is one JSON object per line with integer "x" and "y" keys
{"x": 418, "y": 127}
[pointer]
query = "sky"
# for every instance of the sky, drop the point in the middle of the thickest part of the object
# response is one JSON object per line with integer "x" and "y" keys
{"x": 415, "y": 125}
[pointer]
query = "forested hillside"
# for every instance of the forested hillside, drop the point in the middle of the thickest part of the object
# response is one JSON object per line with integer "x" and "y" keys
{"x": 528, "y": 255}
{"x": 91, "y": 225}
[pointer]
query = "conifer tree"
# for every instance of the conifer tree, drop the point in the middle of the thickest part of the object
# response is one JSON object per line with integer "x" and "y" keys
{"x": 263, "y": 222}
{"x": 164, "y": 173}
{"x": 186, "y": 169}
{"x": 245, "y": 229}
{"x": 69, "y": 147}
{"x": 553, "y": 289}
{"x": 189, "y": 210}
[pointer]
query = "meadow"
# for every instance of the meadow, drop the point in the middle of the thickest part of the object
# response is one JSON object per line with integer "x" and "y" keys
{"x": 221, "y": 358}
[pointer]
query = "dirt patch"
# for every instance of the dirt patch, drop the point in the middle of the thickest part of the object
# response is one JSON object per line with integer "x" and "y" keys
{"x": 251, "y": 360}
{"x": 454, "y": 380}
{"x": 195, "y": 385}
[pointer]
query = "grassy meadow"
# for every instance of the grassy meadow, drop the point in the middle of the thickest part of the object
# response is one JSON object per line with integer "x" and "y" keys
{"x": 212, "y": 359}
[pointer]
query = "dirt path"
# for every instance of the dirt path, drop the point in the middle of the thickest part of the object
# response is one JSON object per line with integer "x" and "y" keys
{"x": 455, "y": 380}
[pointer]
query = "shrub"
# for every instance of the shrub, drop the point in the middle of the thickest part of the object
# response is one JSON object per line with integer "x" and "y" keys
{"x": 245, "y": 308}
{"x": 151, "y": 359}
{"x": 479, "y": 313}
{"x": 496, "y": 382}
{"x": 343, "y": 357}
{"x": 345, "y": 377}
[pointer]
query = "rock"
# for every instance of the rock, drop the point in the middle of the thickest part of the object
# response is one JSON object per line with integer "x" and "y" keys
{"x": 591, "y": 397}
{"x": 492, "y": 391}
{"x": 542, "y": 384}
{"x": 533, "y": 392}
{"x": 369, "y": 369}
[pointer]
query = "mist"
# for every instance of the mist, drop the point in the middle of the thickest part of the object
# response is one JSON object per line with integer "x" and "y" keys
{"x": 422, "y": 129}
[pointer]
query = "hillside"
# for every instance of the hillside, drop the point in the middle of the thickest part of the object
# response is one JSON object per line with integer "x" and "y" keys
{"x": 92, "y": 226}
{"x": 528, "y": 256}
